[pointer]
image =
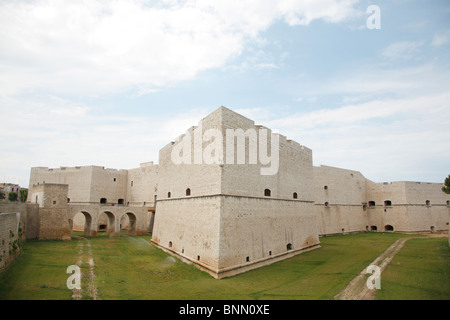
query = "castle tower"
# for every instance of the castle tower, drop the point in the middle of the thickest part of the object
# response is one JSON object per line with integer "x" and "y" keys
{"x": 233, "y": 196}
{"x": 53, "y": 217}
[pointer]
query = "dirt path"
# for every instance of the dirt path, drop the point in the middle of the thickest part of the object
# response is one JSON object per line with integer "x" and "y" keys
{"x": 357, "y": 288}
{"x": 86, "y": 257}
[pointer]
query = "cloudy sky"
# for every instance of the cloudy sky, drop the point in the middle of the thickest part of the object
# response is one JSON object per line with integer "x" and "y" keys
{"x": 109, "y": 83}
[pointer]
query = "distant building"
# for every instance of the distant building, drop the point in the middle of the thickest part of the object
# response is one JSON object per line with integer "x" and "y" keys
{"x": 7, "y": 188}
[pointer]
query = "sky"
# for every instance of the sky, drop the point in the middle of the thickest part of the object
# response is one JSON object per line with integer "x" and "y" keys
{"x": 110, "y": 83}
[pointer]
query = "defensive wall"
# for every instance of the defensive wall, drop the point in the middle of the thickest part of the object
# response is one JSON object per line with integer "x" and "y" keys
{"x": 227, "y": 217}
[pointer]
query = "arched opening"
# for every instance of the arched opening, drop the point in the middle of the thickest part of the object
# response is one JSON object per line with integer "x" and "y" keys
{"x": 387, "y": 203}
{"x": 294, "y": 195}
{"x": 267, "y": 192}
{"x": 433, "y": 229}
{"x": 107, "y": 219}
{"x": 82, "y": 222}
{"x": 170, "y": 244}
{"x": 289, "y": 246}
{"x": 371, "y": 203}
{"x": 128, "y": 222}
{"x": 188, "y": 192}
{"x": 388, "y": 227}
{"x": 102, "y": 227}
{"x": 169, "y": 194}
{"x": 373, "y": 228}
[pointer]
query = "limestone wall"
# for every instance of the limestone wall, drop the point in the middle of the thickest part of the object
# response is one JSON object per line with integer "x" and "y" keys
{"x": 78, "y": 178}
{"x": 142, "y": 185}
{"x": 340, "y": 200}
{"x": 256, "y": 230}
{"x": 235, "y": 218}
{"x": 53, "y": 215}
{"x": 190, "y": 227}
{"x": 29, "y": 216}
{"x": 9, "y": 237}
{"x": 87, "y": 184}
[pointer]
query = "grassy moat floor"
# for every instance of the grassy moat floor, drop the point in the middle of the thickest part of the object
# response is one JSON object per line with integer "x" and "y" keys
{"x": 129, "y": 267}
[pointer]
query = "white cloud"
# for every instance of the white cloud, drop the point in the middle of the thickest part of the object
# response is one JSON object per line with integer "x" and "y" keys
{"x": 386, "y": 139}
{"x": 95, "y": 47}
{"x": 402, "y": 49}
{"x": 441, "y": 39}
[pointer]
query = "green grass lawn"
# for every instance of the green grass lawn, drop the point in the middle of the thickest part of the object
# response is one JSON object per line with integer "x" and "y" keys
{"x": 131, "y": 268}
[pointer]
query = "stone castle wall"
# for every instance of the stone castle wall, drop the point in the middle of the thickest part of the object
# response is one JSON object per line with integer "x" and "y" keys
{"x": 53, "y": 214}
{"x": 229, "y": 217}
{"x": 234, "y": 218}
{"x": 9, "y": 237}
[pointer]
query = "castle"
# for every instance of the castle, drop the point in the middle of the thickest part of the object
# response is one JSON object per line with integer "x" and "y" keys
{"x": 230, "y": 196}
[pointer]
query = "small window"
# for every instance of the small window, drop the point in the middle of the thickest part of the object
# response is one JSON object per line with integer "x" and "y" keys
{"x": 247, "y": 259}
{"x": 294, "y": 195}
{"x": 371, "y": 203}
{"x": 54, "y": 202}
{"x": 131, "y": 183}
{"x": 120, "y": 201}
{"x": 68, "y": 200}
{"x": 188, "y": 192}
{"x": 289, "y": 246}
{"x": 198, "y": 258}
{"x": 170, "y": 244}
{"x": 103, "y": 200}
{"x": 373, "y": 228}
{"x": 326, "y": 204}
{"x": 270, "y": 253}
{"x": 388, "y": 227}
{"x": 114, "y": 179}
{"x": 428, "y": 202}
{"x": 267, "y": 192}
{"x": 168, "y": 194}
{"x": 325, "y": 187}
{"x": 448, "y": 202}
{"x": 387, "y": 203}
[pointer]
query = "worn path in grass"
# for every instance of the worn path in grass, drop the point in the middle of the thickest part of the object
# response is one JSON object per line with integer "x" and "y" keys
{"x": 85, "y": 257}
{"x": 357, "y": 288}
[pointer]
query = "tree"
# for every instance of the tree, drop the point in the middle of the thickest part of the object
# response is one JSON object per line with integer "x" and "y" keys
{"x": 12, "y": 196}
{"x": 446, "y": 187}
{"x": 2, "y": 195}
{"x": 23, "y": 195}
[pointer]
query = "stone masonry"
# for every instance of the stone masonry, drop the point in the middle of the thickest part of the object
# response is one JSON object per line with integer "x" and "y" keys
{"x": 228, "y": 218}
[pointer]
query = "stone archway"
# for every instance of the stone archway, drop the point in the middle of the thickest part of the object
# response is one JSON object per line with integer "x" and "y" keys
{"x": 110, "y": 221}
{"x": 82, "y": 221}
{"x": 131, "y": 222}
